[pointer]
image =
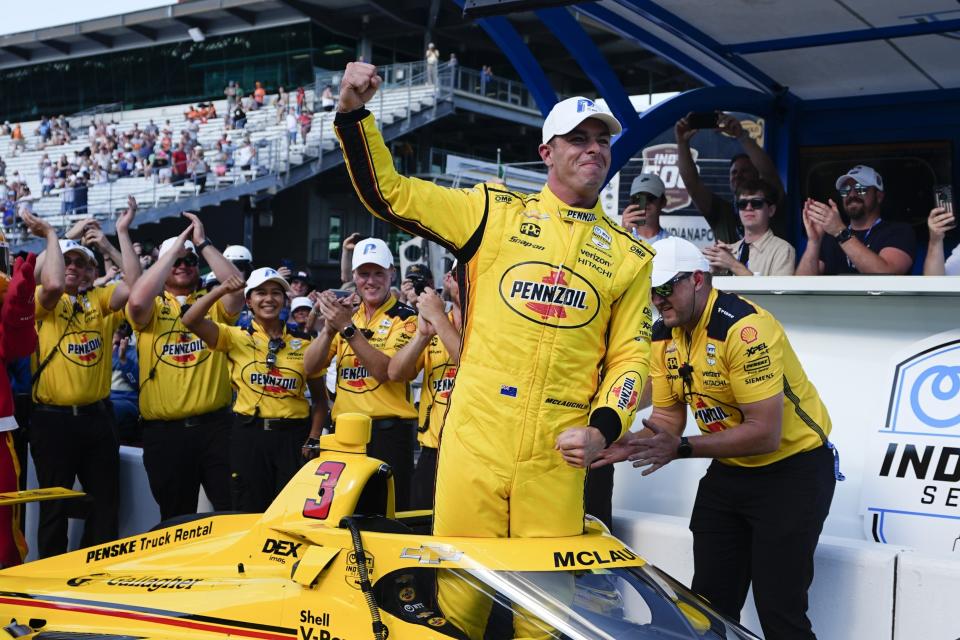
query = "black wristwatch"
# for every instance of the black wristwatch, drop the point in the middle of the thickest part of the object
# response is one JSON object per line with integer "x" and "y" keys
{"x": 684, "y": 450}
{"x": 348, "y": 331}
{"x": 203, "y": 245}
{"x": 843, "y": 236}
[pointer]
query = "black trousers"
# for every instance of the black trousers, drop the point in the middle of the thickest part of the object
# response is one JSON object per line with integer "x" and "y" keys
{"x": 392, "y": 442}
{"x": 761, "y": 525}
{"x": 179, "y": 458}
{"x": 598, "y": 494}
{"x": 66, "y": 447}
{"x": 424, "y": 479}
{"x": 263, "y": 461}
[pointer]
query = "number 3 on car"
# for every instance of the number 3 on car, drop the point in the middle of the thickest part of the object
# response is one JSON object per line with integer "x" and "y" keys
{"x": 330, "y": 472}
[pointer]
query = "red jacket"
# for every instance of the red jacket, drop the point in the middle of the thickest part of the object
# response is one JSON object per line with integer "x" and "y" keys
{"x": 18, "y": 330}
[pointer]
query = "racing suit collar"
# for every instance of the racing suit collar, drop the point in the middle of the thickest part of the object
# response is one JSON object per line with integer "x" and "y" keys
{"x": 360, "y": 316}
{"x": 677, "y": 332}
{"x": 551, "y": 202}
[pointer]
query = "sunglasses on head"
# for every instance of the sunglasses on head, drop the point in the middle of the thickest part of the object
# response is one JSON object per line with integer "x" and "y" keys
{"x": 189, "y": 260}
{"x": 273, "y": 347}
{"x": 76, "y": 261}
{"x": 847, "y": 188}
{"x": 665, "y": 290}
{"x": 753, "y": 203}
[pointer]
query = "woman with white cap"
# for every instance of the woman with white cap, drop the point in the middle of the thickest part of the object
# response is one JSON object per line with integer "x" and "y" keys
{"x": 272, "y": 416}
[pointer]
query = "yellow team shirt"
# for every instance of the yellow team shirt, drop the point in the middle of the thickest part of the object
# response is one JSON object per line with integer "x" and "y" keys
{"x": 392, "y": 326}
{"x": 179, "y": 375}
{"x": 267, "y": 392}
{"x": 739, "y": 354}
{"x": 438, "y": 376}
{"x": 79, "y": 333}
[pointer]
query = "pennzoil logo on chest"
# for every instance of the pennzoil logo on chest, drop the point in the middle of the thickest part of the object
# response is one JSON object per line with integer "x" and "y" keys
{"x": 551, "y": 295}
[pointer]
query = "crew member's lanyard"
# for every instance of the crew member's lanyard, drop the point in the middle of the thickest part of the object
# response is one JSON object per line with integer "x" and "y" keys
{"x": 864, "y": 241}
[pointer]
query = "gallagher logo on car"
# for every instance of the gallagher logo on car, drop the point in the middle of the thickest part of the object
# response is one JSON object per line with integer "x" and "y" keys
{"x": 82, "y": 347}
{"x": 549, "y": 295}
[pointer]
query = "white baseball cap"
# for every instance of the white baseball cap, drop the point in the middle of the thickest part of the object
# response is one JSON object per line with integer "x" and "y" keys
{"x": 862, "y": 174}
{"x": 648, "y": 183}
{"x": 263, "y": 275}
{"x": 169, "y": 242}
{"x": 67, "y": 246}
{"x": 676, "y": 255}
{"x": 372, "y": 251}
{"x": 300, "y": 302}
{"x": 567, "y": 114}
{"x": 237, "y": 252}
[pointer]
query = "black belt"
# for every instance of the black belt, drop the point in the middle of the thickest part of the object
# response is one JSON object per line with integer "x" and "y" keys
{"x": 191, "y": 421}
{"x": 271, "y": 424}
{"x": 73, "y": 409}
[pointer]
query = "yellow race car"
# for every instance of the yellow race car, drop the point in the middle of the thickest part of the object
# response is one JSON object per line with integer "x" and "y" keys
{"x": 329, "y": 560}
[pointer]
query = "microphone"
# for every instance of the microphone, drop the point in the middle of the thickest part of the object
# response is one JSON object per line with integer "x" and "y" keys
{"x": 686, "y": 372}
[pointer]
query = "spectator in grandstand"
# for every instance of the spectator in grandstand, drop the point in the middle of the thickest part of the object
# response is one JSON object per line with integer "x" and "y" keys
{"x": 292, "y": 127}
{"x": 184, "y": 387}
{"x": 17, "y": 141}
{"x": 246, "y": 156}
{"x": 67, "y": 194}
{"x": 5, "y": 129}
{"x": 282, "y": 104}
{"x": 364, "y": 338}
{"x": 434, "y": 350}
{"x": 180, "y": 163}
{"x": 198, "y": 169}
{"x": 305, "y": 119}
{"x": 302, "y": 99}
{"x": 80, "y": 192}
{"x": 3, "y": 168}
{"x": 486, "y": 492}
{"x": 432, "y": 57}
{"x": 939, "y": 222}
{"x": 327, "y": 102}
{"x": 753, "y": 163}
{"x": 869, "y": 244}
{"x": 642, "y": 216}
{"x": 272, "y": 416}
{"x": 239, "y": 117}
{"x": 259, "y": 95}
{"x": 231, "y": 93}
{"x": 45, "y": 129}
{"x": 72, "y": 431}
{"x": 161, "y": 162}
{"x": 124, "y": 385}
{"x": 486, "y": 75}
{"x": 759, "y": 252}
{"x": 761, "y": 505}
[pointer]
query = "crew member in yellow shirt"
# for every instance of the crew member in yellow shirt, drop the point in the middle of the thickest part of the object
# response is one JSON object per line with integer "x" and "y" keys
{"x": 364, "y": 338}
{"x": 185, "y": 389}
{"x": 761, "y": 505}
{"x": 435, "y": 350}
{"x": 272, "y": 414}
{"x": 72, "y": 432}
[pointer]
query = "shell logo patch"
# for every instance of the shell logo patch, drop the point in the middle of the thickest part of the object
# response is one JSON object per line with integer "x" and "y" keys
{"x": 748, "y": 334}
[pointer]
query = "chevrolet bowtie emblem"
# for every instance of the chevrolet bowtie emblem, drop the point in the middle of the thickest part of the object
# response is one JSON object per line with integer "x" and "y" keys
{"x": 431, "y": 554}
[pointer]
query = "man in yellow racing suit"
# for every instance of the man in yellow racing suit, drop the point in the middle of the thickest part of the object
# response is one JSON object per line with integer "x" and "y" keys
{"x": 555, "y": 340}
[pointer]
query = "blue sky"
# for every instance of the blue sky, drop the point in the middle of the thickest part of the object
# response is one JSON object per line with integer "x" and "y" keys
{"x": 26, "y": 16}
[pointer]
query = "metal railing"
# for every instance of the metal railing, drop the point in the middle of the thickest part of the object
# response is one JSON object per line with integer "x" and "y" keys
{"x": 91, "y": 113}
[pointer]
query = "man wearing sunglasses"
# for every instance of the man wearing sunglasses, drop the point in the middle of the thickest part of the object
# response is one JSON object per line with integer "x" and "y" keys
{"x": 72, "y": 432}
{"x": 761, "y": 505}
{"x": 868, "y": 245}
{"x": 556, "y": 332}
{"x": 185, "y": 390}
{"x": 759, "y": 252}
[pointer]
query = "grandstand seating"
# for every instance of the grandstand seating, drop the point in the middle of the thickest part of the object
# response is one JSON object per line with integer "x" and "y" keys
{"x": 274, "y": 153}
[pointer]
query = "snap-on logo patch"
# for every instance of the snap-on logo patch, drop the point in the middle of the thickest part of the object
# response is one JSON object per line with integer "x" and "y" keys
{"x": 549, "y": 295}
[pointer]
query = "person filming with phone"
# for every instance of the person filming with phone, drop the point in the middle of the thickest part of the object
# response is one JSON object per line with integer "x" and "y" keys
{"x": 648, "y": 197}
{"x": 941, "y": 220}
{"x": 753, "y": 163}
